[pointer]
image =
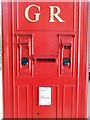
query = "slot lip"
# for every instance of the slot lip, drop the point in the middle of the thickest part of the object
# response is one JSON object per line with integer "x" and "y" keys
{"x": 46, "y": 60}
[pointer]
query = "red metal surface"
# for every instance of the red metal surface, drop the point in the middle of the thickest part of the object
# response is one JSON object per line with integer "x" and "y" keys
{"x": 45, "y": 44}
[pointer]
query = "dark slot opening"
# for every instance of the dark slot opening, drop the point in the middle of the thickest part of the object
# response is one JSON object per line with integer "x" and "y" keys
{"x": 67, "y": 47}
{"x": 45, "y": 59}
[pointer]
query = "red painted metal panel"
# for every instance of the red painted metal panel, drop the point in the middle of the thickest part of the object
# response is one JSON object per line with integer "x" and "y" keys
{"x": 68, "y": 101}
{"x": 45, "y": 16}
{"x": 47, "y": 51}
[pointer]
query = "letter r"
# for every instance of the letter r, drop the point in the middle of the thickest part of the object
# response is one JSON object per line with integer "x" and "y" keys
{"x": 55, "y": 15}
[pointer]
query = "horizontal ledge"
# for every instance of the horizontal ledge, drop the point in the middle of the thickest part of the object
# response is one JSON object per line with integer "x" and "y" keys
{"x": 29, "y": 33}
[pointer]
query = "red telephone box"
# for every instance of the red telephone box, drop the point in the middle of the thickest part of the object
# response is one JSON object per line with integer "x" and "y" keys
{"x": 45, "y": 63}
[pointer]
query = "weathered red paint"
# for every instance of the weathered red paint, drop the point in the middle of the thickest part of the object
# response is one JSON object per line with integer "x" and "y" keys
{"x": 45, "y": 44}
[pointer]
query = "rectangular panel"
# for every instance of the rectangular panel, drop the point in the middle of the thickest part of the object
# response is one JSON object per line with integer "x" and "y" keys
{"x": 24, "y": 55}
{"x": 66, "y": 55}
{"x": 45, "y": 44}
{"x": 22, "y": 102}
{"x": 68, "y": 101}
{"x": 45, "y": 96}
{"x": 44, "y": 111}
{"x": 30, "y": 16}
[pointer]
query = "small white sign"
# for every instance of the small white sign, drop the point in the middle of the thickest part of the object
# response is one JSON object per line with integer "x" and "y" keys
{"x": 44, "y": 95}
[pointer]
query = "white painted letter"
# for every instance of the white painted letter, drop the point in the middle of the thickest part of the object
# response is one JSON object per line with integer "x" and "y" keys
{"x": 36, "y": 14}
{"x": 56, "y": 15}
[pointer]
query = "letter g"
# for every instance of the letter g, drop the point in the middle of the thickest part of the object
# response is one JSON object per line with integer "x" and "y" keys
{"x": 36, "y": 14}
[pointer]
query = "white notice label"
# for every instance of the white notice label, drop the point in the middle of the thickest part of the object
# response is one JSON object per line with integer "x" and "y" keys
{"x": 44, "y": 95}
